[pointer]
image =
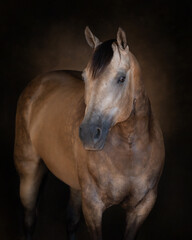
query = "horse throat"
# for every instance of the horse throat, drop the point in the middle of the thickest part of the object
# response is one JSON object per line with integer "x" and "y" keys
{"x": 139, "y": 120}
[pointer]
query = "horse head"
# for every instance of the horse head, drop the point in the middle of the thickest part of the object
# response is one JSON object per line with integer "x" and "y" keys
{"x": 109, "y": 88}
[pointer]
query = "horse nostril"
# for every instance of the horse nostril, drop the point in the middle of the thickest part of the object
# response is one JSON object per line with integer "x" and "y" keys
{"x": 97, "y": 134}
{"x": 80, "y": 133}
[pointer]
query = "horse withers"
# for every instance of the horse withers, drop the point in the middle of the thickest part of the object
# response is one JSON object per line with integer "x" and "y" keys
{"x": 99, "y": 136}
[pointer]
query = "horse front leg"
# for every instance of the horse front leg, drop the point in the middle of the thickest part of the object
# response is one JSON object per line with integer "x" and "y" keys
{"x": 93, "y": 209}
{"x": 136, "y": 215}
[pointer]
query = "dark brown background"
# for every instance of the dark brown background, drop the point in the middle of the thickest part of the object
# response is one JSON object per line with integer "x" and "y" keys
{"x": 37, "y": 37}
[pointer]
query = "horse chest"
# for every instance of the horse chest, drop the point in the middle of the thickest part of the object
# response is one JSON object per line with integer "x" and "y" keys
{"x": 112, "y": 185}
{"x": 117, "y": 178}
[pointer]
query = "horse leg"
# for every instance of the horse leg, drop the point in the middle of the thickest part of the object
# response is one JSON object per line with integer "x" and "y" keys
{"x": 29, "y": 186}
{"x": 136, "y": 215}
{"x": 93, "y": 209}
{"x": 31, "y": 170}
{"x": 73, "y": 212}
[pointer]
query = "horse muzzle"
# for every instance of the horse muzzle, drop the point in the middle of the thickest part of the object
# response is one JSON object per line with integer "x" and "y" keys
{"x": 93, "y": 135}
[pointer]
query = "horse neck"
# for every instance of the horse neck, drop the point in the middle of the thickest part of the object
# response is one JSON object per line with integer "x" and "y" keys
{"x": 141, "y": 115}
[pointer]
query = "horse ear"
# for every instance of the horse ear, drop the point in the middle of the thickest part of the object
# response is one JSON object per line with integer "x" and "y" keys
{"x": 92, "y": 40}
{"x": 121, "y": 39}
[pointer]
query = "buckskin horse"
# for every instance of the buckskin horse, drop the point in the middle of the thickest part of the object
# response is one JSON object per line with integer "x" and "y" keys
{"x": 99, "y": 136}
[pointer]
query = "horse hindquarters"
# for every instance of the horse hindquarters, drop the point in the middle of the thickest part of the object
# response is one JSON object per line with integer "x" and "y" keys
{"x": 29, "y": 166}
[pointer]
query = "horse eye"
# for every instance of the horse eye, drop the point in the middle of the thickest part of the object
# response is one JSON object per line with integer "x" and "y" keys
{"x": 121, "y": 79}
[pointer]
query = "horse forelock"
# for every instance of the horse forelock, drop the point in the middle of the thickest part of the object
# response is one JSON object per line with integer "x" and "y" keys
{"x": 101, "y": 57}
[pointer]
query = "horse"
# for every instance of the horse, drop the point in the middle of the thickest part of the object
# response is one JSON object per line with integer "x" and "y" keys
{"x": 97, "y": 134}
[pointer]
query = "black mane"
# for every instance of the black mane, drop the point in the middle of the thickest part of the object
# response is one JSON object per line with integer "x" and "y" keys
{"x": 102, "y": 57}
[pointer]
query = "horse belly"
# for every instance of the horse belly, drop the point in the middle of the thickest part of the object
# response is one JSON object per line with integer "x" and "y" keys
{"x": 62, "y": 165}
{"x": 58, "y": 157}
